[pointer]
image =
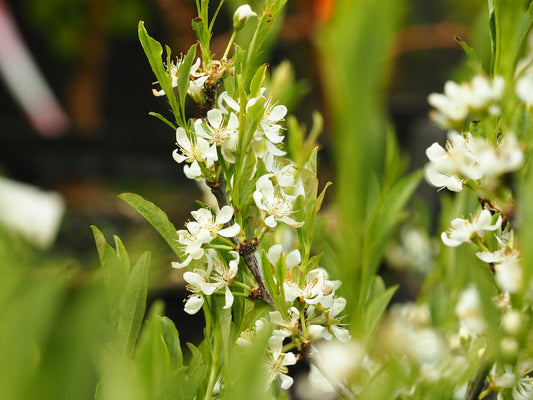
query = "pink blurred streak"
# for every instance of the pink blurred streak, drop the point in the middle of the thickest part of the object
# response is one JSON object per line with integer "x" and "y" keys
{"x": 26, "y": 83}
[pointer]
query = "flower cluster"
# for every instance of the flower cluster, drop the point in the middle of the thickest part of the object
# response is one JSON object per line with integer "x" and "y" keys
{"x": 471, "y": 159}
{"x": 460, "y": 100}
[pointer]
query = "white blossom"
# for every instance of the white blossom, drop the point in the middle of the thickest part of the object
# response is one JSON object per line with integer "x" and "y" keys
{"x": 449, "y": 167}
{"x": 220, "y": 133}
{"x": 317, "y": 287}
{"x": 203, "y": 230}
{"x": 274, "y": 203}
{"x": 459, "y": 100}
{"x": 194, "y": 153}
{"x": 463, "y": 230}
{"x": 277, "y": 363}
{"x": 218, "y": 275}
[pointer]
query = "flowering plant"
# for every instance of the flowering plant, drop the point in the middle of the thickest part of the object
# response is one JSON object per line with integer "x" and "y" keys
{"x": 274, "y": 290}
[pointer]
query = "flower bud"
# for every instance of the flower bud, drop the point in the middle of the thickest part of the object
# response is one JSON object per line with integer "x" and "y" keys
{"x": 242, "y": 14}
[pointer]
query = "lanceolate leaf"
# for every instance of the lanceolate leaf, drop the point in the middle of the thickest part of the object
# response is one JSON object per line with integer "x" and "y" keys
{"x": 133, "y": 303}
{"x": 153, "y": 50}
{"x": 156, "y": 217}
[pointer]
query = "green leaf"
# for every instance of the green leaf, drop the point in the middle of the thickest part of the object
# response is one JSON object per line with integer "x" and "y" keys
{"x": 472, "y": 55}
{"x": 122, "y": 254}
{"x": 156, "y": 217}
{"x": 113, "y": 273}
{"x": 133, "y": 303}
{"x": 166, "y": 121}
{"x": 183, "y": 78}
{"x": 257, "y": 80}
{"x": 153, "y": 50}
{"x": 172, "y": 340}
{"x": 197, "y": 372}
{"x": 375, "y": 309}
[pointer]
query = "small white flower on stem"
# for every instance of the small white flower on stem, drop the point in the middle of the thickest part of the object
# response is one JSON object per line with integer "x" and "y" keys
{"x": 225, "y": 135}
{"x": 449, "y": 167}
{"x": 222, "y": 273}
{"x": 203, "y": 230}
{"x": 276, "y": 204}
{"x": 206, "y": 228}
{"x": 269, "y": 124}
{"x": 277, "y": 363}
{"x": 463, "y": 230}
{"x": 289, "y": 327}
{"x": 317, "y": 287}
{"x": 193, "y": 153}
{"x": 197, "y": 283}
{"x": 480, "y": 94}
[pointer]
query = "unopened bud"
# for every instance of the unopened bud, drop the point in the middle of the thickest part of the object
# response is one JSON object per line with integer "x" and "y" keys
{"x": 241, "y": 16}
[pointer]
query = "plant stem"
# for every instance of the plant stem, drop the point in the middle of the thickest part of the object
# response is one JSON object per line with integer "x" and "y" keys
{"x": 246, "y": 251}
{"x": 475, "y": 385}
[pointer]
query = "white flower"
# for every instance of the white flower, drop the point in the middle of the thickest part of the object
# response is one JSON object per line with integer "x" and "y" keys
{"x": 203, "y": 230}
{"x": 317, "y": 287}
{"x": 241, "y": 16}
{"x": 269, "y": 124}
{"x": 449, "y": 167}
{"x": 277, "y": 363}
{"x": 206, "y": 228}
{"x": 292, "y": 259}
{"x": 341, "y": 360}
{"x": 222, "y": 273}
{"x": 289, "y": 327}
{"x": 463, "y": 230}
{"x": 194, "y": 153}
{"x": 469, "y": 312}
{"x": 326, "y": 325}
{"x": 197, "y": 283}
{"x": 248, "y": 336}
{"x": 276, "y": 204}
{"x": 218, "y": 275}
{"x": 225, "y": 135}
{"x": 458, "y": 101}
{"x": 493, "y": 161}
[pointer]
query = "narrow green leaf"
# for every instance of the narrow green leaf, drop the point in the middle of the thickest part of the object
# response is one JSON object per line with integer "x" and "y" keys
{"x": 183, "y": 78}
{"x": 113, "y": 273}
{"x": 156, "y": 217}
{"x": 320, "y": 197}
{"x": 166, "y": 121}
{"x": 376, "y": 308}
{"x": 470, "y": 53}
{"x": 172, "y": 340}
{"x": 122, "y": 254}
{"x": 153, "y": 50}
{"x": 197, "y": 372}
{"x": 257, "y": 80}
{"x": 133, "y": 303}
